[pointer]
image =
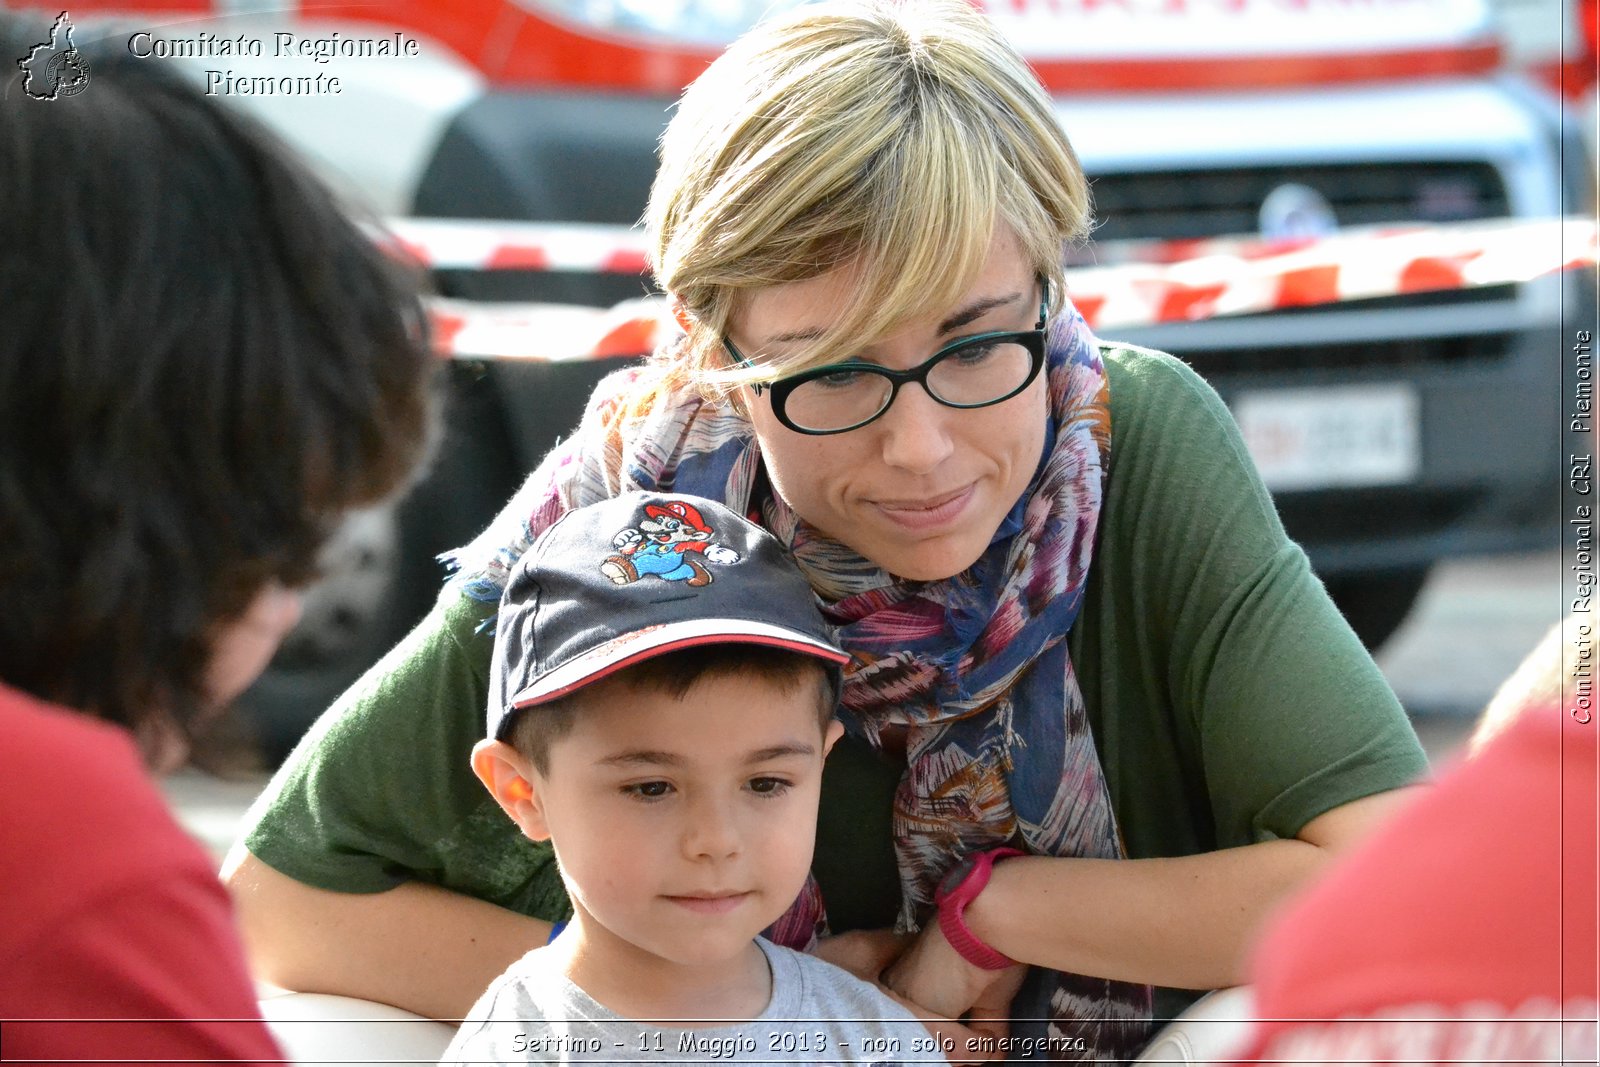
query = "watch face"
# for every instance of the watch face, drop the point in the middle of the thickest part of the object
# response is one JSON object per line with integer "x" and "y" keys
{"x": 957, "y": 874}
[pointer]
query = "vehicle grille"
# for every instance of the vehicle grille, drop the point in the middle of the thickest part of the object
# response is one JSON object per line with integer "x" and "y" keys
{"x": 1195, "y": 204}
{"x": 1216, "y": 365}
{"x": 1371, "y": 514}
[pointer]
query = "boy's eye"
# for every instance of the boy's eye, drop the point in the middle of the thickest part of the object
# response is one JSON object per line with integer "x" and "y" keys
{"x": 768, "y": 786}
{"x": 648, "y": 790}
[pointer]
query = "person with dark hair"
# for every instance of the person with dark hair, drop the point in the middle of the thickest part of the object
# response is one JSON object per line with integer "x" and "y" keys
{"x": 203, "y": 365}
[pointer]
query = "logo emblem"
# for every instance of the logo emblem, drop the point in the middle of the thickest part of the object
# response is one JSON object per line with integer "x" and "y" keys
{"x": 672, "y": 542}
{"x": 55, "y": 69}
{"x": 1295, "y": 211}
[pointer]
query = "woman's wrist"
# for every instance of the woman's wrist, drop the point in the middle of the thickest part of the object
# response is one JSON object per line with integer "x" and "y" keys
{"x": 961, "y": 887}
{"x": 989, "y": 915}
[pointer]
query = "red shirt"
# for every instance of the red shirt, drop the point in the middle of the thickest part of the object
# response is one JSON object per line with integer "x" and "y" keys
{"x": 111, "y": 911}
{"x": 1464, "y": 930}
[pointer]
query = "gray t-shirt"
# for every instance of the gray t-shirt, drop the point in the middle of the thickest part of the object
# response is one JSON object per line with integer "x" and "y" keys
{"x": 818, "y": 1014}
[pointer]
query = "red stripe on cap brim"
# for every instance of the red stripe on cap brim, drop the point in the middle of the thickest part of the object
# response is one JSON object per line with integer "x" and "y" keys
{"x": 553, "y": 686}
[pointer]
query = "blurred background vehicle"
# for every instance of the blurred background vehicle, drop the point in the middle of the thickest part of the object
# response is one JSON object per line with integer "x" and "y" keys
{"x": 1394, "y": 432}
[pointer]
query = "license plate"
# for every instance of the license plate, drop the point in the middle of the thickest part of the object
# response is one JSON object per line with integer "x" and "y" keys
{"x": 1338, "y": 437}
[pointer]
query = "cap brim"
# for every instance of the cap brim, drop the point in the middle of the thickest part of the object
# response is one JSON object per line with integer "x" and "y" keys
{"x": 631, "y": 648}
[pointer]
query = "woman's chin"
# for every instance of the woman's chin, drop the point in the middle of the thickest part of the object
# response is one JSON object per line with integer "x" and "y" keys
{"x": 931, "y": 561}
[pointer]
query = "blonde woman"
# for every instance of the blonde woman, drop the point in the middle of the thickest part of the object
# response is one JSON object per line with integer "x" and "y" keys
{"x": 1100, "y": 715}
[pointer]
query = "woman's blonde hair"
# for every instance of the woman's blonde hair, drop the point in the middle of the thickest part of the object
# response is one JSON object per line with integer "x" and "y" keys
{"x": 889, "y": 136}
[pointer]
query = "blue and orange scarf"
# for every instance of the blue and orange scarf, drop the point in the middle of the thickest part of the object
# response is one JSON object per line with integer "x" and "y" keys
{"x": 975, "y": 667}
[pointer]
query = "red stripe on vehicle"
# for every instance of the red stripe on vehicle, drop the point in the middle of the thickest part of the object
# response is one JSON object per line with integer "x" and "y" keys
{"x": 1573, "y": 79}
{"x": 1252, "y": 72}
{"x": 118, "y": 7}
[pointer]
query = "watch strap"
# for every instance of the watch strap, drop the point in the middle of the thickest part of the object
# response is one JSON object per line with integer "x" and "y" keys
{"x": 952, "y": 913}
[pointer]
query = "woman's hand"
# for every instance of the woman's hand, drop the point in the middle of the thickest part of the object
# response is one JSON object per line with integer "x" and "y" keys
{"x": 867, "y": 953}
{"x": 931, "y": 973}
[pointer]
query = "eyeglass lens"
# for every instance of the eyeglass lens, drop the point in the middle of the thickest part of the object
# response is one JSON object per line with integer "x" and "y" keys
{"x": 969, "y": 375}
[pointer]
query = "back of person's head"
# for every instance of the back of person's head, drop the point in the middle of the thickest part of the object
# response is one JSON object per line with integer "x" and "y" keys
{"x": 672, "y": 676}
{"x": 203, "y": 364}
{"x": 889, "y": 136}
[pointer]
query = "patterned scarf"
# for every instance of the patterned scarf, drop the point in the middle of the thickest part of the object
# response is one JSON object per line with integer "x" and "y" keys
{"x": 974, "y": 667}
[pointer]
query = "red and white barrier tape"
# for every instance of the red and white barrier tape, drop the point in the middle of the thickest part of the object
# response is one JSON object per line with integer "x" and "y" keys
{"x": 1347, "y": 266}
{"x": 467, "y": 244}
{"x": 1231, "y": 277}
{"x": 485, "y": 245}
{"x": 554, "y": 332}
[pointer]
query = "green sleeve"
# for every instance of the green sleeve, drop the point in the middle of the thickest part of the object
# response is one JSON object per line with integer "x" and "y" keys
{"x": 381, "y": 790}
{"x": 1230, "y": 701}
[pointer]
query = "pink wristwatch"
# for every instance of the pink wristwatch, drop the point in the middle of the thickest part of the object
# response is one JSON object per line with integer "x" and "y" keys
{"x": 959, "y": 887}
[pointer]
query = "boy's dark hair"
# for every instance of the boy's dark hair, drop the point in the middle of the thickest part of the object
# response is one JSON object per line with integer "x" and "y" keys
{"x": 203, "y": 364}
{"x": 673, "y": 674}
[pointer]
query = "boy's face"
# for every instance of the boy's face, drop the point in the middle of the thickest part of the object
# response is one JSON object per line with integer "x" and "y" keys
{"x": 683, "y": 826}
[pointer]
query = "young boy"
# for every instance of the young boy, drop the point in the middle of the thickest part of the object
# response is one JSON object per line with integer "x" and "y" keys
{"x": 660, "y": 705}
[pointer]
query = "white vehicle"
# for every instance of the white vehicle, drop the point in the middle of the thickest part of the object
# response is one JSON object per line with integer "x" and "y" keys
{"x": 1393, "y": 431}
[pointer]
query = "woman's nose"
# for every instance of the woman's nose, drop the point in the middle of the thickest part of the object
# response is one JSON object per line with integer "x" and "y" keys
{"x": 915, "y": 431}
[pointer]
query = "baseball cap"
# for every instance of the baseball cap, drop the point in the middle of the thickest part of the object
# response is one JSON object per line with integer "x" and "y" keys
{"x": 637, "y": 576}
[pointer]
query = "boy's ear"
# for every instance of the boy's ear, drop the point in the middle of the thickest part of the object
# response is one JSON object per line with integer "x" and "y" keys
{"x": 509, "y": 778}
{"x": 831, "y": 735}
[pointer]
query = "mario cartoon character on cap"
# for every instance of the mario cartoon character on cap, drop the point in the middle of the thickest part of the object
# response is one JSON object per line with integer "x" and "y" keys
{"x": 673, "y": 543}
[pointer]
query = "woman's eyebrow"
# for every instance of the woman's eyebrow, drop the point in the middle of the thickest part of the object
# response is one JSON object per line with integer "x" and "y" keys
{"x": 810, "y": 334}
{"x": 971, "y": 313}
{"x": 976, "y": 310}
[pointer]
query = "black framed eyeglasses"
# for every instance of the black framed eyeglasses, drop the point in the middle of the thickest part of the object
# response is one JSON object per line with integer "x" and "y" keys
{"x": 969, "y": 372}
